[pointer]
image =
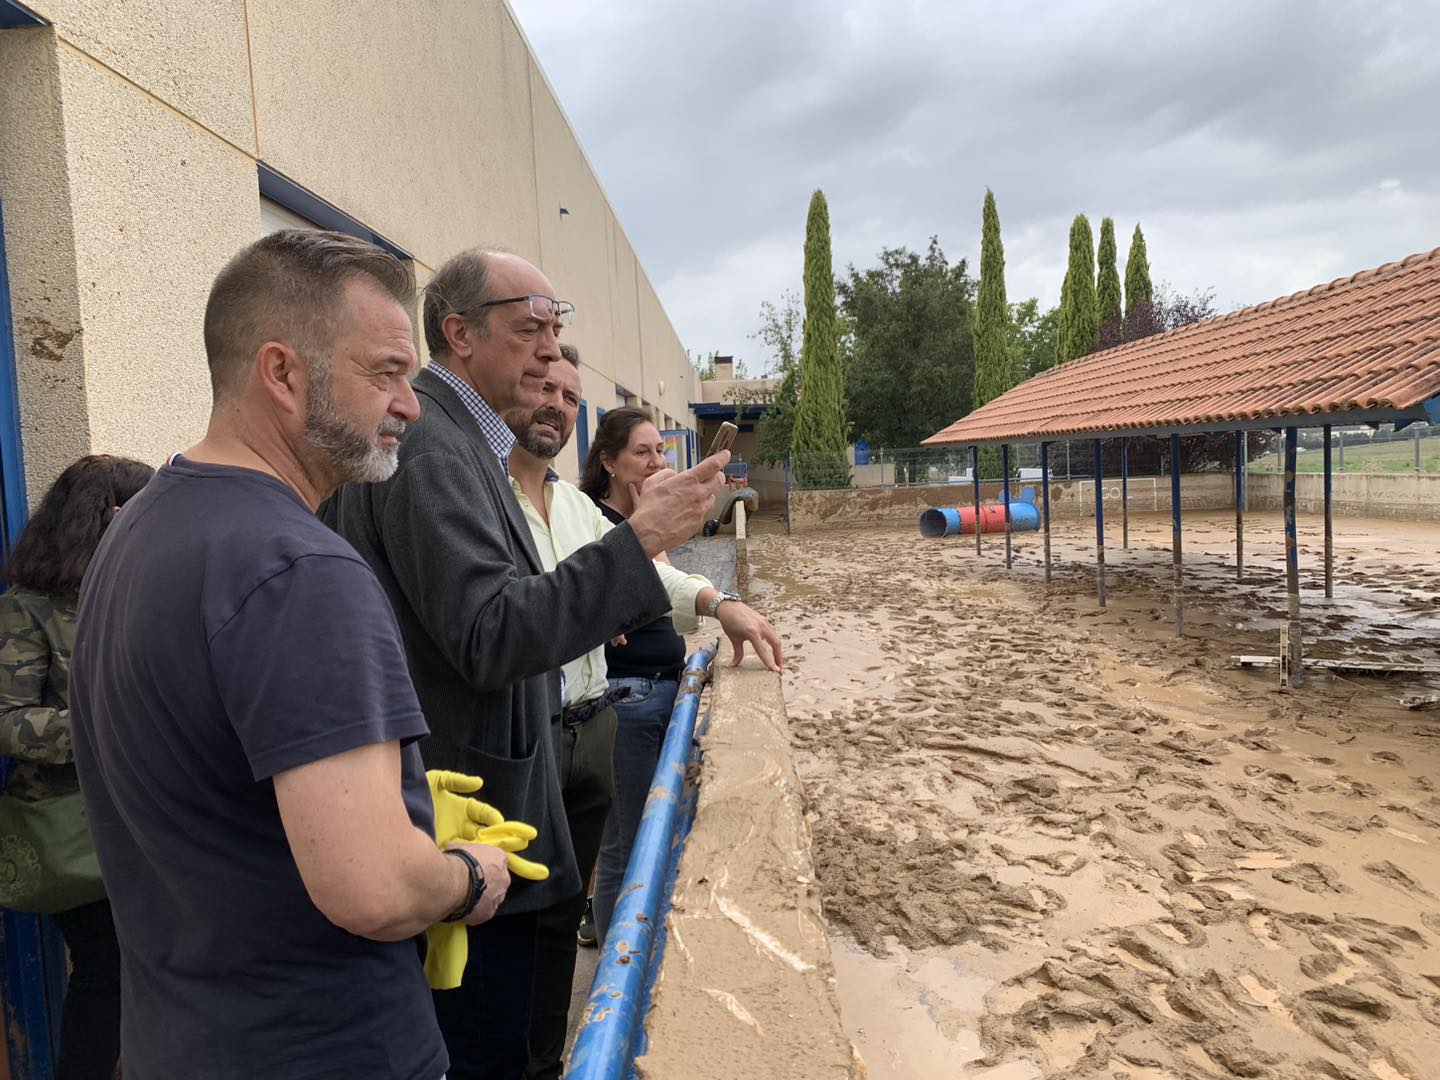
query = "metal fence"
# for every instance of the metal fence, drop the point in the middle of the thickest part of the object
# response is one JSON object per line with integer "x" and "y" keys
{"x": 1416, "y": 449}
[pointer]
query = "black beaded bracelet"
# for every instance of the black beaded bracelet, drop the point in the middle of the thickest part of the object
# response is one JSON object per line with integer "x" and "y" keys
{"x": 476, "y": 889}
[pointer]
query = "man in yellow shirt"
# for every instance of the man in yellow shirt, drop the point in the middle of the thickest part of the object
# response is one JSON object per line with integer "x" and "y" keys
{"x": 562, "y": 519}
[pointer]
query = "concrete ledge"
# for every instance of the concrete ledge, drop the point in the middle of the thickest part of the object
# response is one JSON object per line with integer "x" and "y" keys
{"x": 746, "y": 988}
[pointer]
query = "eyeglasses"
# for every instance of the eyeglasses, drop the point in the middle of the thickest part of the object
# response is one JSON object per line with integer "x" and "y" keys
{"x": 545, "y": 309}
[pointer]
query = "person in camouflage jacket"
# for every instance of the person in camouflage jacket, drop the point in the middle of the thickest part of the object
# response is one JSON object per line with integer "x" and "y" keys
{"x": 37, "y": 636}
{"x": 37, "y": 632}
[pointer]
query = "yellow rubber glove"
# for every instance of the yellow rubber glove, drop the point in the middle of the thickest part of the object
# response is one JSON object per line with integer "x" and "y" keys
{"x": 446, "y": 951}
{"x": 459, "y": 817}
{"x": 447, "y": 947}
{"x": 454, "y": 809}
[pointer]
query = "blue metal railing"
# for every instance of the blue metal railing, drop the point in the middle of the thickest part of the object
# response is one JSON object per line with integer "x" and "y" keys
{"x": 611, "y": 1032}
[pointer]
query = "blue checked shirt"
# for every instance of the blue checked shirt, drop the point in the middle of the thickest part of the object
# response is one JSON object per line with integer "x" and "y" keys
{"x": 502, "y": 439}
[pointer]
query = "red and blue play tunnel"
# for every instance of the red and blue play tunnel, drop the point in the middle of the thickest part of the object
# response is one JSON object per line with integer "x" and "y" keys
{"x": 960, "y": 520}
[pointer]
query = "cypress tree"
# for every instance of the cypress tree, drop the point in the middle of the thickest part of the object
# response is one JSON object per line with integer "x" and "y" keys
{"x": 993, "y": 370}
{"x": 820, "y": 425}
{"x": 1079, "y": 316}
{"x": 1139, "y": 294}
{"x": 1107, "y": 286}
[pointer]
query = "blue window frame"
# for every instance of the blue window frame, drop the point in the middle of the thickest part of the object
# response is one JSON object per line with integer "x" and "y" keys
{"x": 32, "y": 956}
{"x": 281, "y": 189}
{"x": 582, "y": 432}
{"x": 13, "y": 506}
{"x": 13, "y": 14}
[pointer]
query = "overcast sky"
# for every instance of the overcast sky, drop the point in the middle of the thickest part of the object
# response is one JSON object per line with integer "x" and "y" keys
{"x": 1263, "y": 146}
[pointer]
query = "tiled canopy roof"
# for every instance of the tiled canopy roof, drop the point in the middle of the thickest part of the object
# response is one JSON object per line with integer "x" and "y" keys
{"x": 1367, "y": 344}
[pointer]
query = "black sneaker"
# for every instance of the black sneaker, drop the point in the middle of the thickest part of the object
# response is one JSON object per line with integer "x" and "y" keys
{"x": 586, "y": 933}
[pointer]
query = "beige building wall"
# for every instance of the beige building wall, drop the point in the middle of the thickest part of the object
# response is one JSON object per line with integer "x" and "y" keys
{"x": 129, "y": 139}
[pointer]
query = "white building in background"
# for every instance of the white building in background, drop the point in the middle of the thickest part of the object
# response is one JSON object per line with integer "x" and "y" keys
{"x": 141, "y": 145}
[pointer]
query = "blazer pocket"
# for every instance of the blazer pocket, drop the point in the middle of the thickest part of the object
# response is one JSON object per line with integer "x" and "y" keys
{"x": 513, "y": 786}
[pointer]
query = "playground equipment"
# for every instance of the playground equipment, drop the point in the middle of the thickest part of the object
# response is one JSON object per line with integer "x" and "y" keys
{"x": 960, "y": 520}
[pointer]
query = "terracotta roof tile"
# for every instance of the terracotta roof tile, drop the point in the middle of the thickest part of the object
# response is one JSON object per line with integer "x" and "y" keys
{"x": 1367, "y": 342}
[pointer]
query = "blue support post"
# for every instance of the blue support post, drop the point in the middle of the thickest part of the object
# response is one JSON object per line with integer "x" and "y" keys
{"x": 1241, "y": 447}
{"x": 1045, "y": 501}
{"x": 787, "y": 492}
{"x": 1125, "y": 494}
{"x": 1329, "y": 524}
{"x": 1005, "y": 497}
{"x": 1175, "y": 533}
{"x": 611, "y": 1032}
{"x": 1099, "y": 525}
{"x": 1294, "y": 658}
{"x": 975, "y": 477}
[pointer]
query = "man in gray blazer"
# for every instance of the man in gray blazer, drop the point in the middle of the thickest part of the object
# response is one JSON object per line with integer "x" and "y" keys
{"x": 485, "y": 629}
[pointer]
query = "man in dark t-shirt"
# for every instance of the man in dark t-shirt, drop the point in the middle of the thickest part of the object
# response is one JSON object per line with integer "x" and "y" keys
{"x": 245, "y": 727}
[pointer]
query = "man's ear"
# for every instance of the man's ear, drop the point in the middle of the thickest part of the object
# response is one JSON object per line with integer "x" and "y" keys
{"x": 283, "y": 376}
{"x": 460, "y": 335}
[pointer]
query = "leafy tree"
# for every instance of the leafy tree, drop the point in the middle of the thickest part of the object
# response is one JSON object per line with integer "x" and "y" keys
{"x": 1138, "y": 292}
{"x": 1107, "y": 286}
{"x": 1168, "y": 310}
{"x": 779, "y": 330}
{"x": 994, "y": 372}
{"x": 1032, "y": 338}
{"x": 705, "y": 368}
{"x": 1079, "y": 318}
{"x": 779, "y": 327}
{"x": 910, "y": 367}
{"x": 820, "y": 424}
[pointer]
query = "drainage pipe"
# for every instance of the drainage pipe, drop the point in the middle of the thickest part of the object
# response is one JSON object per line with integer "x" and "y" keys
{"x": 612, "y": 1021}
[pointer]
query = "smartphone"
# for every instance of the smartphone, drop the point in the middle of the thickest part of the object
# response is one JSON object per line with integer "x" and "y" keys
{"x": 723, "y": 438}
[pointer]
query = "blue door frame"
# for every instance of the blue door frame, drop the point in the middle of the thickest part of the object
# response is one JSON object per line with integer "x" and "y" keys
{"x": 32, "y": 979}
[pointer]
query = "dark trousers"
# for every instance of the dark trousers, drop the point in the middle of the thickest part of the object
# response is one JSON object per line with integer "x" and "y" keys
{"x": 587, "y": 781}
{"x": 90, "y": 1023}
{"x": 644, "y": 718}
{"x": 486, "y": 1019}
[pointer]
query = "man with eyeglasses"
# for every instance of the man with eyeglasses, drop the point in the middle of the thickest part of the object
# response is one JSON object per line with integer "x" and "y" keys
{"x": 486, "y": 630}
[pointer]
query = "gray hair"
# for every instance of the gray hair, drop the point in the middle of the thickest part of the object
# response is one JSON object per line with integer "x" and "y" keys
{"x": 459, "y": 287}
{"x": 286, "y": 287}
{"x": 571, "y": 353}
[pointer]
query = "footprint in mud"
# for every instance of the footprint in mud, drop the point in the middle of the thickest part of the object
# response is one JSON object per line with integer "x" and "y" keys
{"x": 1390, "y": 874}
{"x": 1339, "y": 822}
{"x": 1313, "y": 877}
{"x": 1056, "y": 863}
{"x": 1263, "y": 927}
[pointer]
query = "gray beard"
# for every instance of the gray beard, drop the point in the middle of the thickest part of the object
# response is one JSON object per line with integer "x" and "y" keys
{"x": 353, "y": 454}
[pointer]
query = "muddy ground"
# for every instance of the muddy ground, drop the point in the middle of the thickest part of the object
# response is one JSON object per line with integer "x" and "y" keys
{"x": 1055, "y": 841}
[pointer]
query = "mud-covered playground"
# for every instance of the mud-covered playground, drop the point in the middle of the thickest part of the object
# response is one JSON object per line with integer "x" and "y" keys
{"x": 1053, "y": 839}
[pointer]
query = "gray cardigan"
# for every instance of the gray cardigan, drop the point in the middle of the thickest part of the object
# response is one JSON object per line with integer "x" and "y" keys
{"x": 485, "y": 628}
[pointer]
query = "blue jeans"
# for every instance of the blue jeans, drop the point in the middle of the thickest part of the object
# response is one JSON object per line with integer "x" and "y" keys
{"x": 644, "y": 717}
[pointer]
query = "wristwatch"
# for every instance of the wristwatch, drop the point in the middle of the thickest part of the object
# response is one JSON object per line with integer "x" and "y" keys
{"x": 720, "y": 598}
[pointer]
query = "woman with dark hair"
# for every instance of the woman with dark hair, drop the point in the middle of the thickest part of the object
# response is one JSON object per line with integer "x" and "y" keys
{"x": 37, "y": 634}
{"x": 647, "y": 663}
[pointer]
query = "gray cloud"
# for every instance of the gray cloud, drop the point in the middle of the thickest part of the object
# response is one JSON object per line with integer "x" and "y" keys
{"x": 1264, "y": 147}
